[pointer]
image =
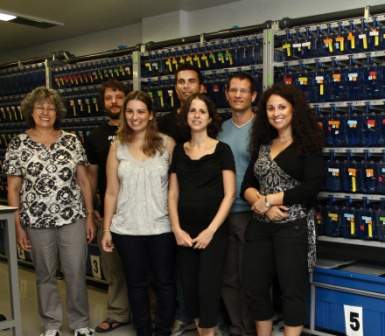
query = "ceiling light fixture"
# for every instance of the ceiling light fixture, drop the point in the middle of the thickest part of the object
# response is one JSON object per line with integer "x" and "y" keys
{"x": 27, "y": 20}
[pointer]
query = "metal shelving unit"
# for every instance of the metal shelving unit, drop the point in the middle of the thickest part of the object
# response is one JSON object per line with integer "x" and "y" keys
{"x": 357, "y": 242}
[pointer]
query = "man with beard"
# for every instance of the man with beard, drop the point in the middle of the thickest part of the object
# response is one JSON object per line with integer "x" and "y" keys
{"x": 112, "y": 93}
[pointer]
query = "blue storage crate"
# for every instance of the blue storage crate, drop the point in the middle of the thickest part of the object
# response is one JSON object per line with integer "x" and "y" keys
{"x": 330, "y": 302}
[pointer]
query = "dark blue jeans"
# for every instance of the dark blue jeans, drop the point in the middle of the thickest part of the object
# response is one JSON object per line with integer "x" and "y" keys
{"x": 148, "y": 259}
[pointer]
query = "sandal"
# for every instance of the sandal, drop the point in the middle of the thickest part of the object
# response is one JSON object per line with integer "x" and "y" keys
{"x": 111, "y": 325}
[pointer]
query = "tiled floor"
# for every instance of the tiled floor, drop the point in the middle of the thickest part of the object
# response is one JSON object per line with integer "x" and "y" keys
{"x": 30, "y": 318}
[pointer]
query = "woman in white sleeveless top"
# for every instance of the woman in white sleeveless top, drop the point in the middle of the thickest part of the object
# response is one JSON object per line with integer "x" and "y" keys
{"x": 136, "y": 219}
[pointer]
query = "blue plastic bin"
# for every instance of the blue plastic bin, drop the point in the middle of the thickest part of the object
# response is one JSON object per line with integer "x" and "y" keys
{"x": 330, "y": 302}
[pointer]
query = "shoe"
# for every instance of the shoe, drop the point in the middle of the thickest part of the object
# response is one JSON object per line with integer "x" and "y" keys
{"x": 83, "y": 332}
{"x": 181, "y": 327}
{"x": 51, "y": 332}
{"x": 111, "y": 325}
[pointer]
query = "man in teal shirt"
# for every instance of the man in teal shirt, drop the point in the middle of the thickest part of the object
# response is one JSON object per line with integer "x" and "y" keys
{"x": 240, "y": 94}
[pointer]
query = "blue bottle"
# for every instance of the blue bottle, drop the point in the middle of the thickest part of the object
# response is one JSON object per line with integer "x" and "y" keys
{"x": 328, "y": 41}
{"x": 320, "y": 83}
{"x": 333, "y": 174}
{"x": 380, "y": 173}
{"x": 287, "y": 46}
{"x": 375, "y": 35}
{"x": 380, "y": 221}
{"x": 307, "y": 44}
{"x": 332, "y": 220}
{"x": 351, "y": 175}
{"x": 381, "y": 129}
{"x": 336, "y": 132}
{"x": 363, "y": 36}
{"x": 353, "y": 77}
{"x": 370, "y": 127}
{"x": 354, "y": 127}
{"x": 339, "y": 40}
{"x": 366, "y": 228}
{"x": 318, "y": 43}
{"x": 289, "y": 76}
{"x": 302, "y": 81}
{"x": 337, "y": 89}
{"x": 349, "y": 220}
{"x": 370, "y": 177}
{"x": 373, "y": 77}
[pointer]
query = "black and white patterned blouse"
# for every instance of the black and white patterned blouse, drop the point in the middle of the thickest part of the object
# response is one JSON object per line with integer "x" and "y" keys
{"x": 50, "y": 195}
{"x": 273, "y": 179}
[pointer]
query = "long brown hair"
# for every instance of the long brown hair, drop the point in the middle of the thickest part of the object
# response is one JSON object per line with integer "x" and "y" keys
{"x": 153, "y": 141}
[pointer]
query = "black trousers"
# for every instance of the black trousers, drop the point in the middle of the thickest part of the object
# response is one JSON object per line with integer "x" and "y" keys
{"x": 146, "y": 258}
{"x": 233, "y": 290}
{"x": 281, "y": 248}
{"x": 201, "y": 275}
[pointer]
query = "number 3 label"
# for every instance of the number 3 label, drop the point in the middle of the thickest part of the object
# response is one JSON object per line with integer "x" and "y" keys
{"x": 353, "y": 321}
{"x": 95, "y": 264}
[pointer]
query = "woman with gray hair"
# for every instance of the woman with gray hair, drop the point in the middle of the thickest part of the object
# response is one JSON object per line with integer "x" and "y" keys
{"x": 47, "y": 182}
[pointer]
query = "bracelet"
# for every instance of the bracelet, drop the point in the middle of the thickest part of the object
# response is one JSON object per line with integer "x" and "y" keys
{"x": 106, "y": 230}
{"x": 267, "y": 203}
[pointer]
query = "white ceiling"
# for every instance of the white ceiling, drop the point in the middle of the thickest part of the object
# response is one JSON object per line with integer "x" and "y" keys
{"x": 83, "y": 16}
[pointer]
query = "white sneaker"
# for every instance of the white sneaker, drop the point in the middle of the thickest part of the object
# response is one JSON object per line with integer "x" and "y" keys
{"x": 51, "y": 332}
{"x": 83, "y": 332}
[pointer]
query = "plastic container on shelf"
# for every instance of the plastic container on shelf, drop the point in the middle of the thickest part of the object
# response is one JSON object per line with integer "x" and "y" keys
{"x": 320, "y": 80}
{"x": 380, "y": 172}
{"x": 371, "y": 127}
{"x": 354, "y": 127}
{"x": 332, "y": 220}
{"x": 370, "y": 177}
{"x": 351, "y": 175}
{"x": 348, "y": 221}
{"x": 366, "y": 224}
{"x": 335, "y": 126}
{"x": 373, "y": 77}
{"x": 303, "y": 82}
{"x": 380, "y": 221}
{"x": 364, "y": 312}
{"x": 333, "y": 174}
{"x": 353, "y": 78}
{"x": 337, "y": 89}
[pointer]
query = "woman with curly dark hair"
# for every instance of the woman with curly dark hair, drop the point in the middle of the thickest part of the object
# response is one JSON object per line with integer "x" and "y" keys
{"x": 202, "y": 190}
{"x": 281, "y": 185}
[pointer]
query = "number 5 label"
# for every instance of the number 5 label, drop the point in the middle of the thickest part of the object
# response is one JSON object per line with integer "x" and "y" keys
{"x": 353, "y": 321}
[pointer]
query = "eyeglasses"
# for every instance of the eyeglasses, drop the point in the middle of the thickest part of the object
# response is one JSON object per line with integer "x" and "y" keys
{"x": 242, "y": 91}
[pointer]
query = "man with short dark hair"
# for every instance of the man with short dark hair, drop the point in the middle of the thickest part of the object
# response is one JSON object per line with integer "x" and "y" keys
{"x": 240, "y": 94}
{"x": 188, "y": 80}
{"x": 112, "y": 94}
